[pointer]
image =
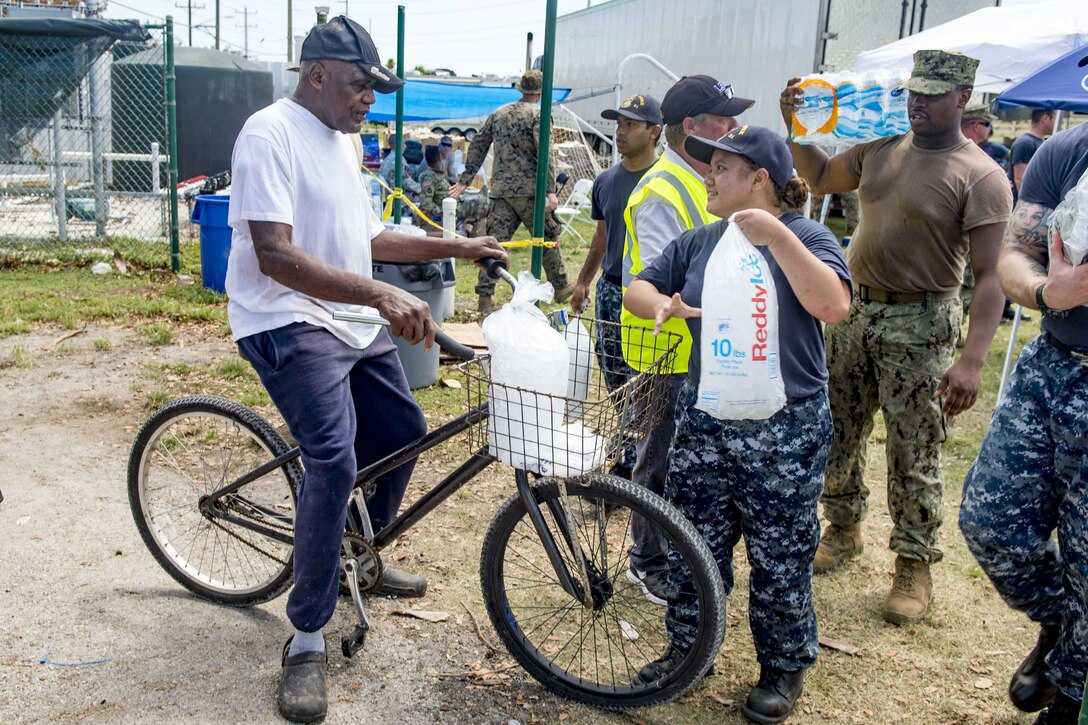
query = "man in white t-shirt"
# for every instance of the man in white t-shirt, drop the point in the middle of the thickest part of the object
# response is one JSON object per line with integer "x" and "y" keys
{"x": 304, "y": 237}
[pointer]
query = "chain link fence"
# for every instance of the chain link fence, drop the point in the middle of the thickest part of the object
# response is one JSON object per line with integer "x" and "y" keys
{"x": 85, "y": 168}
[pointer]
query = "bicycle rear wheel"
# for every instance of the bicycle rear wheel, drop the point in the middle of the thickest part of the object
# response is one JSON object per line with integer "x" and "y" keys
{"x": 189, "y": 449}
{"x": 593, "y": 655}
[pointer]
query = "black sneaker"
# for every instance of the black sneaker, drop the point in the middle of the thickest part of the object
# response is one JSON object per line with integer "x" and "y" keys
{"x": 773, "y": 697}
{"x": 1064, "y": 710}
{"x": 1029, "y": 689}
{"x": 301, "y": 696}
{"x": 663, "y": 666}
{"x": 397, "y": 583}
{"x": 654, "y": 584}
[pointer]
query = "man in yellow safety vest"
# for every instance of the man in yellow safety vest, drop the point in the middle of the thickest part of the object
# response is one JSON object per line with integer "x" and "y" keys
{"x": 668, "y": 200}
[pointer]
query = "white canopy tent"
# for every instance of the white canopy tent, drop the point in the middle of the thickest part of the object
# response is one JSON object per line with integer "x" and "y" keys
{"x": 1011, "y": 41}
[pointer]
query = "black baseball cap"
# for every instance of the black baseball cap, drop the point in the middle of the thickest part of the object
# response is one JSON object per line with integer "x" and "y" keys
{"x": 637, "y": 107}
{"x": 762, "y": 145}
{"x": 445, "y": 141}
{"x": 346, "y": 40}
{"x": 692, "y": 95}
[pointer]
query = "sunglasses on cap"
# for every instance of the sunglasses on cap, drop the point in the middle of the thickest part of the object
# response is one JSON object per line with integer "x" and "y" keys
{"x": 447, "y": 145}
{"x": 983, "y": 121}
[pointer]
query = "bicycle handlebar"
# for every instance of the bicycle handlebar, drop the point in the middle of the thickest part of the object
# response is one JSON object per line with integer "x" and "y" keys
{"x": 495, "y": 268}
{"x": 447, "y": 343}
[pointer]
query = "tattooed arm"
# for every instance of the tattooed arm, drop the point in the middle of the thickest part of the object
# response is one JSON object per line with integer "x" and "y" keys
{"x": 1023, "y": 261}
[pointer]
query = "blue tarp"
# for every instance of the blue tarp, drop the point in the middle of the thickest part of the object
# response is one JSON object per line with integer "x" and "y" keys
{"x": 433, "y": 101}
{"x": 1061, "y": 85}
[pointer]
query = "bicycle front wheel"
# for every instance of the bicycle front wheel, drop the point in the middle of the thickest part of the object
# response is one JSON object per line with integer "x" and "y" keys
{"x": 188, "y": 450}
{"x": 594, "y": 654}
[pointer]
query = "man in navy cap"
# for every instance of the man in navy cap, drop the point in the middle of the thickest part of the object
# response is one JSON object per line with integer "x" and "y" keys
{"x": 638, "y": 128}
{"x": 304, "y": 237}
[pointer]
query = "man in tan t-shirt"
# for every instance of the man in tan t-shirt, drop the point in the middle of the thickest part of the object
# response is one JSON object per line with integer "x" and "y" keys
{"x": 930, "y": 201}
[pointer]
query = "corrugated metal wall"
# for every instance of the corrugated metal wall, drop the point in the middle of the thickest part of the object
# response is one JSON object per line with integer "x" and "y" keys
{"x": 756, "y": 46}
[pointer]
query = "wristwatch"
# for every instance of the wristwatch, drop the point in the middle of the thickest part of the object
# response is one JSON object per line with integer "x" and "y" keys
{"x": 1047, "y": 312}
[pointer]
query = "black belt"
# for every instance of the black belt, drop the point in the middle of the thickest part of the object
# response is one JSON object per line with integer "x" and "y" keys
{"x": 1080, "y": 354}
{"x": 614, "y": 279}
{"x": 873, "y": 294}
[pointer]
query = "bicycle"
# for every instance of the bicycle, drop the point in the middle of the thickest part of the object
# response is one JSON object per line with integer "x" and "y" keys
{"x": 212, "y": 487}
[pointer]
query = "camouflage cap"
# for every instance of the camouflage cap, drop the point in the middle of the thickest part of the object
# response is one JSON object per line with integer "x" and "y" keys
{"x": 531, "y": 82}
{"x": 937, "y": 72}
{"x": 978, "y": 112}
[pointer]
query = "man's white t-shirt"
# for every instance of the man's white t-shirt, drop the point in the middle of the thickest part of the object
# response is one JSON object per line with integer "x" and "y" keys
{"x": 291, "y": 168}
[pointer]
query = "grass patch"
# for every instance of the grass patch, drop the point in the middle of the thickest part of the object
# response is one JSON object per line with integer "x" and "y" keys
{"x": 101, "y": 344}
{"x": 156, "y": 399}
{"x": 65, "y": 348}
{"x": 157, "y": 334}
{"x": 234, "y": 368}
{"x": 19, "y": 357}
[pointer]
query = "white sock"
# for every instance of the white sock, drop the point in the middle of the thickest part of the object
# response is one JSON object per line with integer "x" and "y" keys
{"x": 307, "y": 642}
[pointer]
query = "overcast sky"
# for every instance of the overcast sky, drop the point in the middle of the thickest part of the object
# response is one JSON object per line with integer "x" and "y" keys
{"x": 469, "y": 36}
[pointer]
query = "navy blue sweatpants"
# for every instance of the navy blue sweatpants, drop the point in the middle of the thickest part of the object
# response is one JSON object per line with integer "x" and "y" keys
{"x": 347, "y": 408}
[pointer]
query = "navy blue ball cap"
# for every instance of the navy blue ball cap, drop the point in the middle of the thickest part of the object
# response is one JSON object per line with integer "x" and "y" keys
{"x": 345, "y": 40}
{"x": 762, "y": 145}
{"x": 638, "y": 107}
{"x": 692, "y": 95}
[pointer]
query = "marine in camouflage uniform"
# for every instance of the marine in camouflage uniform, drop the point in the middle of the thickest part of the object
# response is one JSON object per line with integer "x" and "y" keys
{"x": 514, "y": 132}
{"x": 766, "y": 476}
{"x": 433, "y": 188}
{"x": 896, "y": 349}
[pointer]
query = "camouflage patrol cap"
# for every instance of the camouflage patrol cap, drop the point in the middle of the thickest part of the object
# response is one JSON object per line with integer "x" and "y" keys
{"x": 531, "y": 82}
{"x": 978, "y": 112}
{"x": 937, "y": 72}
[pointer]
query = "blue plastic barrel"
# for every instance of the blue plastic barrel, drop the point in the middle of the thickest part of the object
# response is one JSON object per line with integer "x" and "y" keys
{"x": 210, "y": 212}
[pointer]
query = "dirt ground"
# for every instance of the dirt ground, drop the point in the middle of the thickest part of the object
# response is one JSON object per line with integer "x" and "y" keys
{"x": 92, "y": 629}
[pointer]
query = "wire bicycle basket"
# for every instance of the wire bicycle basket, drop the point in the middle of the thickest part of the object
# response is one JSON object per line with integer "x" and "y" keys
{"x": 591, "y": 427}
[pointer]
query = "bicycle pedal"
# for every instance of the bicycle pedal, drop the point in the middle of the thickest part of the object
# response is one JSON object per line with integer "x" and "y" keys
{"x": 352, "y": 643}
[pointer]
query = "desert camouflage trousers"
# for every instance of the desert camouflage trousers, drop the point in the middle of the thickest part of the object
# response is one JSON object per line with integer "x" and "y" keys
{"x": 504, "y": 216}
{"x": 1030, "y": 480}
{"x": 759, "y": 479}
{"x": 890, "y": 357}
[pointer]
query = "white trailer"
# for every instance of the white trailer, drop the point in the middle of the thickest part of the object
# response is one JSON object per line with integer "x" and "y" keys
{"x": 755, "y": 45}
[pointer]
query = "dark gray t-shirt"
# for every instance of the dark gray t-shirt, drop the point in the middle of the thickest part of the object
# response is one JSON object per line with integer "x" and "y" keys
{"x": 1054, "y": 170}
{"x": 680, "y": 269}
{"x": 1023, "y": 150}
{"x": 611, "y": 190}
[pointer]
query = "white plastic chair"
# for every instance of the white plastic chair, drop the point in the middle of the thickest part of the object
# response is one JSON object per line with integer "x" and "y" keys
{"x": 578, "y": 203}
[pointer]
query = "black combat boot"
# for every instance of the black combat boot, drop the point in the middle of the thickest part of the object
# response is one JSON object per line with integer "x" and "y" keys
{"x": 772, "y": 699}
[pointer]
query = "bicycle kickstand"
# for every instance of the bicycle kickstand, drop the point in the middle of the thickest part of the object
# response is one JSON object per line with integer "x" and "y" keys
{"x": 352, "y": 643}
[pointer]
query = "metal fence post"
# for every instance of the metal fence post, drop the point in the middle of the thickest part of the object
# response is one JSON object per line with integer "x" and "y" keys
{"x": 98, "y": 165}
{"x": 60, "y": 182}
{"x": 172, "y": 144}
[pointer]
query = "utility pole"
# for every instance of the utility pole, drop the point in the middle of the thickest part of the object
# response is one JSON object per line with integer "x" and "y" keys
{"x": 247, "y": 26}
{"x": 217, "y": 24}
{"x": 290, "y": 37}
{"x": 190, "y": 6}
{"x": 346, "y": 11}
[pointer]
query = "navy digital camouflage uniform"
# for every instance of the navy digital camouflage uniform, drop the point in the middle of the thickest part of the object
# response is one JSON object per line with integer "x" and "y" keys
{"x": 513, "y": 131}
{"x": 1030, "y": 478}
{"x": 607, "y": 345}
{"x": 764, "y": 478}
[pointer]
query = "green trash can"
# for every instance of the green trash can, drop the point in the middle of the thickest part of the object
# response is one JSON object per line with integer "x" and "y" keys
{"x": 431, "y": 282}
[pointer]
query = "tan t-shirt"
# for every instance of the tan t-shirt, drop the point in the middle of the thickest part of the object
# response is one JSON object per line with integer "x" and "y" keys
{"x": 917, "y": 207}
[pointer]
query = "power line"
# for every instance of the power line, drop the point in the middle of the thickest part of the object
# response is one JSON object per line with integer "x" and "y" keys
{"x": 190, "y": 5}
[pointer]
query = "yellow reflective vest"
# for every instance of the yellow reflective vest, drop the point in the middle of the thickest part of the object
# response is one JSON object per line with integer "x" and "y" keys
{"x": 686, "y": 193}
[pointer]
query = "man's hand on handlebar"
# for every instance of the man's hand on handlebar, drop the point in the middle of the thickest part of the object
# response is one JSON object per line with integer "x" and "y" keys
{"x": 478, "y": 248}
{"x": 409, "y": 317}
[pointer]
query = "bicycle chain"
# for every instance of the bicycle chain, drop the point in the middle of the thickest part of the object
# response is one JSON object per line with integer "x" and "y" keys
{"x": 370, "y": 567}
{"x": 215, "y": 522}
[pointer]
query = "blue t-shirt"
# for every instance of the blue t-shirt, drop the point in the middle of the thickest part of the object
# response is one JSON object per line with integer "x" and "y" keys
{"x": 611, "y": 190}
{"x": 997, "y": 152}
{"x": 680, "y": 268}
{"x": 1055, "y": 169}
{"x": 1023, "y": 150}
